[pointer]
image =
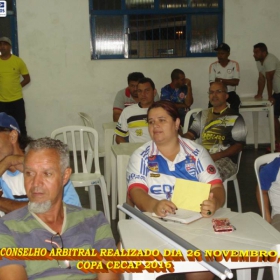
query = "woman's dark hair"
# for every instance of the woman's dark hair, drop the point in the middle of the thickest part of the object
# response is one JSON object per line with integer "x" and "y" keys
{"x": 168, "y": 106}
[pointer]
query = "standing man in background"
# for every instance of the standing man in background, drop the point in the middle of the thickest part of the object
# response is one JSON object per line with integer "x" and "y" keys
{"x": 226, "y": 71}
{"x": 269, "y": 72}
{"x": 179, "y": 92}
{"x": 12, "y": 68}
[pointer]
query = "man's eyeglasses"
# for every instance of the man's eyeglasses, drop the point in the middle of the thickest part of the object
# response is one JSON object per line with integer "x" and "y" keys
{"x": 218, "y": 91}
{"x": 57, "y": 242}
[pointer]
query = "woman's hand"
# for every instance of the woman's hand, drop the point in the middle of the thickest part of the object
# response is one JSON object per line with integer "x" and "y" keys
{"x": 209, "y": 207}
{"x": 163, "y": 207}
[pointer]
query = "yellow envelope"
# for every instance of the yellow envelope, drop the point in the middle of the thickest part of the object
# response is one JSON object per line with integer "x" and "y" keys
{"x": 190, "y": 194}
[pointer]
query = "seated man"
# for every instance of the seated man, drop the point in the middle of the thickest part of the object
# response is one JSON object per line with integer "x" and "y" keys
{"x": 226, "y": 71}
{"x": 49, "y": 223}
{"x": 270, "y": 185}
{"x": 128, "y": 96}
{"x": 12, "y": 145}
{"x": 133, "y": 120}
{"x": 221, "y": 130}
{"x": 179, "y": 92}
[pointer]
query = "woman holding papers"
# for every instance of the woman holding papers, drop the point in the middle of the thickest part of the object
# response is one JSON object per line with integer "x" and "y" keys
{"x": 154, "y": 167}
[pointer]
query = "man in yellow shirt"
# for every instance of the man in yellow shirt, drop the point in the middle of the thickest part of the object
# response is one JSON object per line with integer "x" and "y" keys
{"x": 12, "y": 68}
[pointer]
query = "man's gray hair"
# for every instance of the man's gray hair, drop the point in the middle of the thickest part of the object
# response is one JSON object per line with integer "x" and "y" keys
{"x": 49, "y": 143}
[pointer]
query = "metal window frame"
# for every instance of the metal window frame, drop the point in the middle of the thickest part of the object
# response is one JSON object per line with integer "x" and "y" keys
{"x": 157, "y": 11}
{"x": 12, "y": 16}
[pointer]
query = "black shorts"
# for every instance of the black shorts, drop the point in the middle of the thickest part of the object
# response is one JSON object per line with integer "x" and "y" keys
{"x": 276, "y": 96}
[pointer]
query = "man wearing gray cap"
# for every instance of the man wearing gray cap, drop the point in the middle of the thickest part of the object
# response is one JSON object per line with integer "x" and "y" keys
{"x": 227, "y": 72}
{"x": 12, "y": 68}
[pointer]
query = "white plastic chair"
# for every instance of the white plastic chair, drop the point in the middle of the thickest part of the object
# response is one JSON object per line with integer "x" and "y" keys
{"x": 236, "y": 185}
{"x": 258, "y": 162}
{"x": 188, "y": 117}
{"x": 87, "y": 120}
{"x": 77, "y": 136}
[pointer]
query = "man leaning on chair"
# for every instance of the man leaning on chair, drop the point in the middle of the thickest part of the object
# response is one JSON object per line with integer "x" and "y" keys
{"x": 221, "y": 131}
{"x": 12, "y": 145}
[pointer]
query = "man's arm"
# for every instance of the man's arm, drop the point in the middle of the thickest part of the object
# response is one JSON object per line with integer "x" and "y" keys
{"x": 189, "y": 135}
{"x": 269, "y": 80}
{"x": 120, "y": 139}
{"x": 116, "y": 114}
{"x": 13, "y": 272}
{"x": 265, "y": 202}
{"x": 16, "y": 162}
{"x": 121, "y": 130}
{"x": 26, "y": 80}
{"x": 8, "y": 205}
{"x": 231, "y": 151}
{"x": 228, "y": 82}
{"x": 189, "y": 97}
{"x": 261, "y": 85}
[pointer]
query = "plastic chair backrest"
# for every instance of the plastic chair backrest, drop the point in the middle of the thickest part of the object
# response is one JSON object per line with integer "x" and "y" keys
{"x": 75, "y": 136}
{"x": 87, "y": 120}
{"x": 188, "y": 117}
{"x": 238, "y": 161}
{"x": 258, "y": 162}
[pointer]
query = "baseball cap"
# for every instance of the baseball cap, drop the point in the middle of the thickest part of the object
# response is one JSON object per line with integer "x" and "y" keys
{"x": 224, "y": 47}
{"x": 9, "y": 122}
{"x": 5, "y": 39}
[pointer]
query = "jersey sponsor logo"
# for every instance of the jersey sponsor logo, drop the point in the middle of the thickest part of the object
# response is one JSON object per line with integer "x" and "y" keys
{"x": 134, "y": 176}
{"x": 139, "y": 132}
{"x": 153, "y": 166}
{"x": 155, "y": 175}
{"x": 211, "y": 169}
{"x": 162, "y": 189}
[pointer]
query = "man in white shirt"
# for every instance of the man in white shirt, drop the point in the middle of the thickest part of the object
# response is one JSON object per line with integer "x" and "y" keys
{"x": 226, "y": 71}
{"x": 269, "y": 72}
